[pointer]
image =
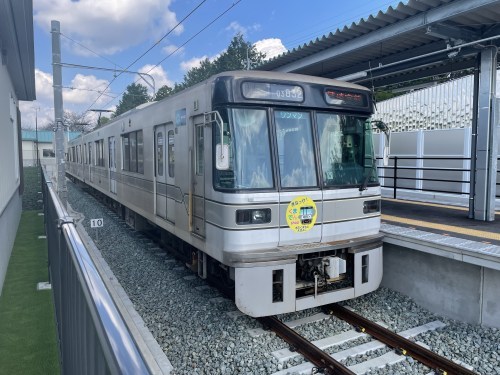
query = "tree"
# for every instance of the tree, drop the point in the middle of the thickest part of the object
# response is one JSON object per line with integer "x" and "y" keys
{"x": 135, "y": 94}
{"x": 75, "y": 122}
{"x": 234, "y": 58}
{"x": 105, "y": 120}
{"x": 163, "y": 92}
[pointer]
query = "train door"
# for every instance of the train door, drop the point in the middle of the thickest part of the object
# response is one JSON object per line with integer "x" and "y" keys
{"x": 198, "y": 177}
{"x": 161, "y": 178}
{"x": 172, "y": 190}
{"x": 112, "y": 164}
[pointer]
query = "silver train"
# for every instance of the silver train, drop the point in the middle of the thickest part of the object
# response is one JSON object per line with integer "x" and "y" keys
{"x": 264, "y": 181}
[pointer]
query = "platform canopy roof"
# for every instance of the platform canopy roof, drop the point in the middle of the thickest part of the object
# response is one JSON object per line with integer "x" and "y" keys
{"x": 17, "y": 45}
{"x": 415, "y": 39}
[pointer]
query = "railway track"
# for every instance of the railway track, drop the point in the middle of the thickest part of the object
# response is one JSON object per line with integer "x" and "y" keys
{"x": 322, "y": 362}
{"x": 439, "y": 364}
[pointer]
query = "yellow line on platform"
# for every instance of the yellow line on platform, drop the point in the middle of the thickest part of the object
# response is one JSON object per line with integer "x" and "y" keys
{"x": 443, "y": 227}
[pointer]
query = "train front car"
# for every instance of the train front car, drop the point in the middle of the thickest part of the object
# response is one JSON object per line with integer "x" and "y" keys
{"x": 295, "y": 205}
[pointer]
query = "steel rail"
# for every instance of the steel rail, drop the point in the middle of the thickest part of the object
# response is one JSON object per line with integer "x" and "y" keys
{"x": 406, "y": 347}
{"x": 310, "y": 351}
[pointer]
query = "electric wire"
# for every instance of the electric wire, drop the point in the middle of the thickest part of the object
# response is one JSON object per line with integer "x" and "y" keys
{"x": 148, "y": 50}
{"x": 186, "y": 42}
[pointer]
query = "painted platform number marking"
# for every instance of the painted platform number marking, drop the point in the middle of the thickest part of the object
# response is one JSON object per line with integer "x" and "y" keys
{"x": 96, "y": 223}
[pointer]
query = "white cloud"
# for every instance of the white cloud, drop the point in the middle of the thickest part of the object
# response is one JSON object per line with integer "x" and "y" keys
{"x": 167, "y": 50}
{"x": 159, "y": 75}
{"x": 84, "y": 92}
{"x": 86, "y": 89}
{"x": 194, "y": 62}
{"x": 235, "y": 27}
{"x": 107, "y": 26}
{"x": 271, "y": 47}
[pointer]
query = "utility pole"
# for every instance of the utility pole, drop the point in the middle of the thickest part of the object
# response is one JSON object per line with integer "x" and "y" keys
{"x": 58, "y": 110}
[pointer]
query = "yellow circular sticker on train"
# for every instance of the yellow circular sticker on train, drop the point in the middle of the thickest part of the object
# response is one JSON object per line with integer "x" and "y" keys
{"x": 301, "y": 214}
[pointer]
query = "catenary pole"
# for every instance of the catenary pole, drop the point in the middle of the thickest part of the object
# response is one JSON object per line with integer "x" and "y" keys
{"x": 58, "y": 110}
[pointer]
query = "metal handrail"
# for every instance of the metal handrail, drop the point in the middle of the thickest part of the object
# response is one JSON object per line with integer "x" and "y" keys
{"x": 395, "y": 168}
{"x": 73, "y": 273}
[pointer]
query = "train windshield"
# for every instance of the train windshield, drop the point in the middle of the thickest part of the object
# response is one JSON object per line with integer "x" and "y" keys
{"x": 346, "y": 149}
{"x": 250, "y": 164}
{"x": 345, "y": 145}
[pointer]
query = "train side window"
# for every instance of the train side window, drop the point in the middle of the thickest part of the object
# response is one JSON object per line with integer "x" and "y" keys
{"x": 125, "y": 153}
{"x": 90, "y": 153}
{"x": 99, "y": 153}
{"x": 159, "y": 153}
{"x": 171, "y": 157}
{"x": 133, "y": 152}
{"x": 85, "y": 153}
{"x": 199, "y": 150}
{"x": 140, "y": 152}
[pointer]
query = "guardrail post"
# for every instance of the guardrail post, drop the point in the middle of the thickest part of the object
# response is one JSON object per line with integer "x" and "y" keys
{"x": 395, "y": 177}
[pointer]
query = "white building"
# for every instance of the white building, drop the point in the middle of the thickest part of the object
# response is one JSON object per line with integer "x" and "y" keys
{"x": 17, "y": 82}
{"x": 43, "y": 140}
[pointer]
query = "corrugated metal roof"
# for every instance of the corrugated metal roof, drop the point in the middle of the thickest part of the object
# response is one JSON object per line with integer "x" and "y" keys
{"x": 399, "y": 33}
{"x": 44, "y": 136}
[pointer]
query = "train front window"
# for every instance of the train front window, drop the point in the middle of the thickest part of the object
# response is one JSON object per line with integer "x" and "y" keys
{"x": 346, "y": 149}
{"x": 295, "y": 149}
{"x": 250, "y": 164}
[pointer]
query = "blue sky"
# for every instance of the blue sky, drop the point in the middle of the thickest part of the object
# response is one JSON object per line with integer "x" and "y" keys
{"x": 114, "y": 33}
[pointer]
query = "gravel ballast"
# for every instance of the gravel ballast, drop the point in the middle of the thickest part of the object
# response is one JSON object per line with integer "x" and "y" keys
{"x": 189, "y": 319}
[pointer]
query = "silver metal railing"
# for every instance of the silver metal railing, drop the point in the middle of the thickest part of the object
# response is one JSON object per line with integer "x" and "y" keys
{"x": 93, "y": 337}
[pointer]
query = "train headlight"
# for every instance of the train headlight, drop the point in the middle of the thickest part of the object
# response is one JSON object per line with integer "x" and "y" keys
{"x": 260, "y": 216}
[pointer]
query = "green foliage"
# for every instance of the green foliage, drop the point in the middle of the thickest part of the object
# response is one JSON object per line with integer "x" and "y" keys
{"x": 104, "y": 120}
{"x": 383, "y": 95}
{"x": 163, "y": 92}
{"x": 234, "y": 58}
{"x": 136, "y": 94}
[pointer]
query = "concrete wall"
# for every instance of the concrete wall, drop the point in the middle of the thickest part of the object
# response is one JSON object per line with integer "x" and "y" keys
{"x": 10, "y": 201}
{"x": 458, "y": 290}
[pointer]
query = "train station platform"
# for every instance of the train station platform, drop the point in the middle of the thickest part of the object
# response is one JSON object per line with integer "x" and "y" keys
{"x": 446, "y": 262}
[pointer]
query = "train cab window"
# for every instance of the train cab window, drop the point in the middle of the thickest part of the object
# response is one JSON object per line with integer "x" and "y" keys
{"x": 246, "y": 132}
{"x": 199, "y": 150}
{"x": 171, "y": 157}
{"x": 160, "y": 149}
{"x": 295, "y": 149}
{"x": 346, "y": 149}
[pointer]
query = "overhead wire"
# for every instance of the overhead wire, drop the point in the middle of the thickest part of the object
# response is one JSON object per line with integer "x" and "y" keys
{"x": 182, "y": 45}
{"x": 149, "y": 49}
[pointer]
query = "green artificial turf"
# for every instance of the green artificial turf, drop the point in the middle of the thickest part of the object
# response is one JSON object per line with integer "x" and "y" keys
{"x": 28, "y": 342}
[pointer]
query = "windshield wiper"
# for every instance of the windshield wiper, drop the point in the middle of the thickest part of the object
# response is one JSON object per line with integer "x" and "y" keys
{"x": 364, "y": 185}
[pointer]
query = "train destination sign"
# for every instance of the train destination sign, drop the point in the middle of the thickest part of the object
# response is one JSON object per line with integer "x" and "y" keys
{"x": 272, "y": 91}
{"x": 341, "y": 97}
